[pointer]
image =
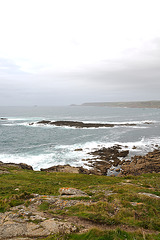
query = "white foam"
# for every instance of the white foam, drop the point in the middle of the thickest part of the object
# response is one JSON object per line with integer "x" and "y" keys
{"x": 37, "y": 161}
{"x": 124, "y": 122}
{"x": 16, "y": 124}
{"x": 66, "y": 154}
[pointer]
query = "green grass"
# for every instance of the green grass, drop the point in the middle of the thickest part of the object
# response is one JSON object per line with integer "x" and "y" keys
{"x": 12, "y": 200}
{"x": 44, "y": 206}
{"x": 115, "y": 209}
{"x": 96, "y": 234}
{"x": 49, "y": 183}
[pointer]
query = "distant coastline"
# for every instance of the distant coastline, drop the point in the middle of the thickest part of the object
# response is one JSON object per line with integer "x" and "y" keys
{"x": 136, "y": 104}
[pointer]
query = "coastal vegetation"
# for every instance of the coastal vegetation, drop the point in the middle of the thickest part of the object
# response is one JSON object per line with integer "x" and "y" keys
{"x": 111, "y": 207}
{"x": 135, "y": 104}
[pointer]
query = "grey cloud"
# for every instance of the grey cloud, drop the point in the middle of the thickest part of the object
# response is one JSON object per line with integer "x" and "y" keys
{"x": 134, "y": 77}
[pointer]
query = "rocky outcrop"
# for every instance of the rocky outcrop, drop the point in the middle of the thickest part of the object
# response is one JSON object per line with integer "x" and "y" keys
{"x": 111, "y": 154}
{"x": 4, "y": 166}
{"x": 83, "y": 125}
{"x": 62, "y": 168}
{"x": 31, "y": 223}
{"x": 102, "y": 160}
{"x": 150, "y": 163}
{"x": 75, "y": 124}
{"x": 106, "y": 158}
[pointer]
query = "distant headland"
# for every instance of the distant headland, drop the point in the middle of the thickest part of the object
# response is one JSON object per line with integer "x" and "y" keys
{"x": 136, "y": 104}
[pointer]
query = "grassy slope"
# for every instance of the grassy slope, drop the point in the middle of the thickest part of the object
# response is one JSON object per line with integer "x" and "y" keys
{"x": 114, "y": 210}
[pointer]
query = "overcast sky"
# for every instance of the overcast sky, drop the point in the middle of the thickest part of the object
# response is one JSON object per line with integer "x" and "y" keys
{"x": 58, "y": 52}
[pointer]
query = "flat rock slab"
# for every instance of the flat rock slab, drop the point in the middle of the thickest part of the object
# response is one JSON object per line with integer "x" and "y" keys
{"x": 71, "y": 191}
{"x": 150, "y": 195}
{"x": 55, "y": 227}
{"x": 14, "y": 228}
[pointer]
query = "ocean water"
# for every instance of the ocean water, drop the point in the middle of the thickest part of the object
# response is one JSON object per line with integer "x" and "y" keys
{"x": 44, "y": 146}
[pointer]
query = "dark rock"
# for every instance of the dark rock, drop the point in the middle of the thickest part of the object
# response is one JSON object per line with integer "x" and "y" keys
{"x": 77, "y": 124}
{"x": 80, "y": 124}
{"x": 2, "y": 118}
{"x": 117, "y": 170}
{"x": 44, "y": 122}
{"x": 78, "y": 149}
{"x": 123, "y": 153}
{"x": 116, "y": 162}
{"x": 84, "y": 170}
{"x": 149, "y": 163}
{"x": 25, "y": 166}
{"x": 112, "y": 153}
{"x": 106, "y": 158}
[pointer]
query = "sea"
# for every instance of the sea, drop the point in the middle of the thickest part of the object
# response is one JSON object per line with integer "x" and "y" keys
{"x": 43, "y": 146}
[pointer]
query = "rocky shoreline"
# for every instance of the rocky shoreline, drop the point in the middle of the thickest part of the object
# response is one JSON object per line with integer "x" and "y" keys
{"x": 77, "y": 124}
{"x": 99, "y": 163}
{"x": 111, "y": 161}
{"x": 150, "y": 163}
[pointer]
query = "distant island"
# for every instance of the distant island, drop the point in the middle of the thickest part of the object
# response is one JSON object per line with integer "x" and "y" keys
{"x": 136, "y": 104}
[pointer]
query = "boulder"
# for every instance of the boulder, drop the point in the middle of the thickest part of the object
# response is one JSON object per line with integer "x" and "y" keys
{"x": 61, "y": 168}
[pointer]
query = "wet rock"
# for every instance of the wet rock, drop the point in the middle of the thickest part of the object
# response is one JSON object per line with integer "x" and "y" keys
{"x": 78, "y": 149}
{"x": 108, "y": 156}
{"x": 44, "y": 122}
{"x": 117, "y": 170}
{"x": 110, "y": 153}
{"x": 2, "y": 118}
{"x": 134, "y": 147}
{"x": 150, "y": 163}
{"x": 80, "y": 124}
{"x": 103, "y": 160}
{"x": 123, "y": 153}
{"x": 77, "y": 124}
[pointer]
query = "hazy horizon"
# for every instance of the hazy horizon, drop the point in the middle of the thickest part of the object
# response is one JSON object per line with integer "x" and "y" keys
{"x": 58, "y": 52}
